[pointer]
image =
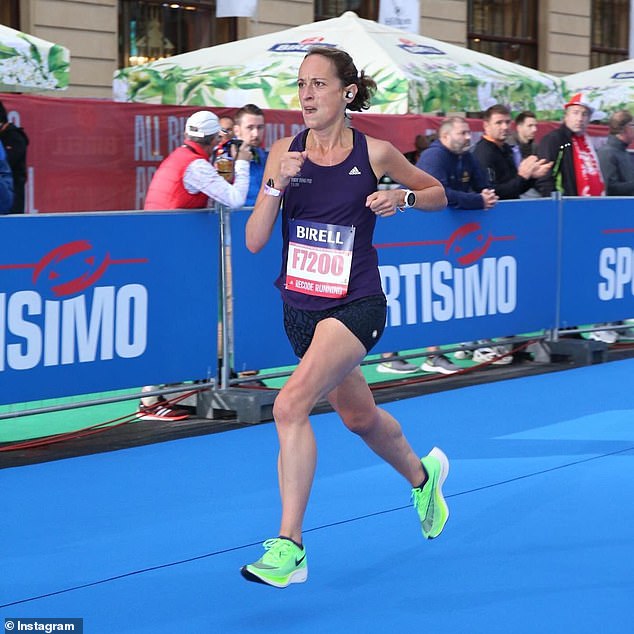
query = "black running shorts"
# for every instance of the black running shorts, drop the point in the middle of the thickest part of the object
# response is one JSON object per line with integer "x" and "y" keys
{"x": 364, "y": 318}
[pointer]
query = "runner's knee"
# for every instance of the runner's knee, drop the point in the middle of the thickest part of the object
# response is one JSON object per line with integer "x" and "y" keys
{"x": 289, "y": 407}
{"x": 360, "y": 422}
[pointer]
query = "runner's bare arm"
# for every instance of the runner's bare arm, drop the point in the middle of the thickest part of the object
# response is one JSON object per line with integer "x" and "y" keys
{"x": 386, "y": 159}
{"x": 280, "y": 166}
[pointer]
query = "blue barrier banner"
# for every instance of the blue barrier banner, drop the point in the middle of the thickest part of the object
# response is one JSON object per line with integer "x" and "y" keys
{"x": 259, "y": 337}
{"x": 95, "y": 302}
{"x": 449, "y": 276}
{"x": 597, "y": 260}
{"x": 455, "y": 276}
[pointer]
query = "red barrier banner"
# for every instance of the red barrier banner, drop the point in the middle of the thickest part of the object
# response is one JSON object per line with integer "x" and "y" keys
{"x": 98, "y": 155}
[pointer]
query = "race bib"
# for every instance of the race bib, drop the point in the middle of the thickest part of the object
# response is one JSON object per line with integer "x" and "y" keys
{"x": 319, "y": 258}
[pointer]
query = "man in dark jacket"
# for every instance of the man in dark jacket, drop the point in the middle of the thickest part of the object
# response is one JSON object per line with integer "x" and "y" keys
{"x": 616, "y": 164}
{"x": 575, "y": 169}
{"x": 15, "y": 142}
{"x": 495, "y": 156}
{"x": 523, "y": 139}
{"x": 449, "y": 160}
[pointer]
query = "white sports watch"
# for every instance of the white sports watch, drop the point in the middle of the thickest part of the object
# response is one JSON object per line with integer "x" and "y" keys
{"x": 410, "y": 199}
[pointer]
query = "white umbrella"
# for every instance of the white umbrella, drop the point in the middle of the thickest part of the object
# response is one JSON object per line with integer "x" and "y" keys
{"x": 415, "y": 74}
{"x": 607, "y": 88}
{"x": 29, "y": 63}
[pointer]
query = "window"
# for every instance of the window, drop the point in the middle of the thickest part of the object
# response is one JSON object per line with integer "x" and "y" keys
{"x": 10, "y": 13}
{"x": 326, "y": 9}
{"x": 610, "y": 31}
{"x": 504, "y": 28}
{"x": 152, "y": 29}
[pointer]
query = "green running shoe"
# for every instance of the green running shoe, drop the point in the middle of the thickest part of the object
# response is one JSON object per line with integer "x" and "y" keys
{"x": 283, "y": 563}
{"x": 428, "y": 500}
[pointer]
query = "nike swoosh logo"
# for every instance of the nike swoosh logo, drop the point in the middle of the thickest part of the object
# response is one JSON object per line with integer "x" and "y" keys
{"x": 299, "y": 561}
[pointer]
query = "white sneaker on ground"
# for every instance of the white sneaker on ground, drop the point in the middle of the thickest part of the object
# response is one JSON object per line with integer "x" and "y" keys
{"x": 440, "y": 364}
{"x": 496, "y": 355}
{"x": 607, "y": 336}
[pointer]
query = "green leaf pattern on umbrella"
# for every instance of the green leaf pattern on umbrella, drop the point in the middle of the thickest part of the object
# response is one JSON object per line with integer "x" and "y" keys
{"x": 459, "y": 89}
{"x": 58, "y": 65}
{"x": 606, "y": 99}
{"x": 474, "y": 88}
{"x": 7, "y": 51}
{"x": 193, "y": 85}
{"x": 25, "y": 66}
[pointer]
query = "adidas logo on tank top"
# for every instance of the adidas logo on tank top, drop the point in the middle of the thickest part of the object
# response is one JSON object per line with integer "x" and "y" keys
{"x": 355, "y": 171}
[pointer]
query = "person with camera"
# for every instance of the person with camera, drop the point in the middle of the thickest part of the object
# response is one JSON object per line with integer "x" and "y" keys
{"x": 186, "y": 179}
{"x": 249, "y": 129}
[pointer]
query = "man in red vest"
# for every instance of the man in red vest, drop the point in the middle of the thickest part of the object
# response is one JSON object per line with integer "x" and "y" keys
{"x": 186, "y": 179}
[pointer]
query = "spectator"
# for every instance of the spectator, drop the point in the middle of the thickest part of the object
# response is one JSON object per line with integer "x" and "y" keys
{"x": 6, "y": 183}
{"x": 466, "y": 187}
{"x": 186, "y": 179}
{"x": 449, "y": 160}
{"x": 575, "y": 169}
{"x": 421, "y": 143}
{"x": 15, "y": 142}
{"x": 223, "y": 148}
{"x": 523, "y": 144}
{"x": 523, "y": 139}
{"x": 226, "y": 129}
{"x": 510, "y": 181}
{"x": 249, "y": 128}
{"x": 618, "y": 170}
{"x": 615, "y": 162}
{"x": 496, "y": 157}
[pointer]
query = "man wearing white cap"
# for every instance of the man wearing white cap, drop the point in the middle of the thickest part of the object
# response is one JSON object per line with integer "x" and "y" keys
{"x": 576, "y": 169}
{"x": 186, "y": 179}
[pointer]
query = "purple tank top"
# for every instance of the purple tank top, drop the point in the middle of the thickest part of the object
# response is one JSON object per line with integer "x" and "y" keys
{"x": 334, "y": 196}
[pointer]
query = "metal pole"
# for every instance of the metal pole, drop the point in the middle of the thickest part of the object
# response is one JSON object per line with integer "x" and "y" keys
{"x": 556, "y": 196}
{"x": 225, "y": 242}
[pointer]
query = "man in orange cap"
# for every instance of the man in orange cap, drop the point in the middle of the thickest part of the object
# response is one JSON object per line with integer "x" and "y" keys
{"x": 576, "y": 169}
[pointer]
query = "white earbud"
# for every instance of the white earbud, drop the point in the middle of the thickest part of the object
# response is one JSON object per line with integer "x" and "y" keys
{"x": 349, "y": 94}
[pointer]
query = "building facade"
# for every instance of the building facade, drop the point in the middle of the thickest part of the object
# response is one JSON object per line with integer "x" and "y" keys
{"x": 555, "y": 36}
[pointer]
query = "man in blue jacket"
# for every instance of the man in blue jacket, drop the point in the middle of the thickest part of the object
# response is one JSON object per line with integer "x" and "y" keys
{"x": 466, "y": 187}
{"x": 249, "y": 128}
{"x": 449, "y": 160}
{"x": 6, "y": 183}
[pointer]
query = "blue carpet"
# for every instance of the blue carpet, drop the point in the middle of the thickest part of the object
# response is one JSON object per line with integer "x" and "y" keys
{"x": 540, "y": 537}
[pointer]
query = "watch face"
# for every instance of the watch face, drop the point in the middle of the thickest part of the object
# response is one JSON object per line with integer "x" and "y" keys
{"x": 410, "y": 199}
